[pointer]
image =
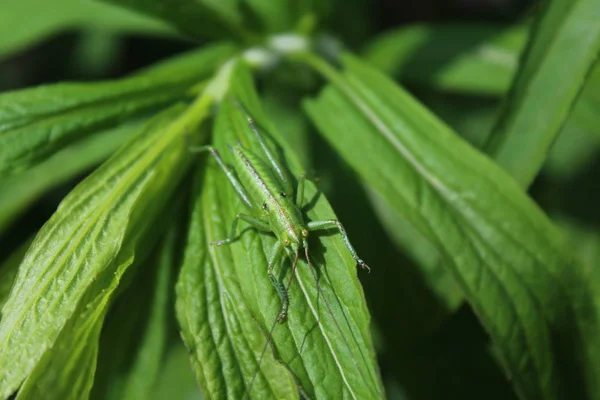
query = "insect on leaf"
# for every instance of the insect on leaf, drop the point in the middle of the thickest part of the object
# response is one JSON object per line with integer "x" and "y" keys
{"x": 227, "y": 304}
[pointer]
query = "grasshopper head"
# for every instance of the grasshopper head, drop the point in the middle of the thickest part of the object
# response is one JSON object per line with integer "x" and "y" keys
{"x": 295, "y": 238}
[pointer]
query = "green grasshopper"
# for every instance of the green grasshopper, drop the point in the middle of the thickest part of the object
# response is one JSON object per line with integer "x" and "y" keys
{"x": 265, "y": 188}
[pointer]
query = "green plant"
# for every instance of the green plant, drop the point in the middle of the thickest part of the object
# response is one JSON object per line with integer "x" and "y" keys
{"x": 444, "y": 219}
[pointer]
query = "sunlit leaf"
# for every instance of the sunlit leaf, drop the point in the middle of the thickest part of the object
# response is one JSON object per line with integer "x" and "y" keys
{"x": 119, "y": 200}
{"x": 37, "y": 122}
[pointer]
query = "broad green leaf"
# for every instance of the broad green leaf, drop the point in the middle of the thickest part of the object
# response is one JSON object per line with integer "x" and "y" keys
{"x": 20, "y": 27}
{"x": 512, "y": 264}
{"x": 421, "y": 251}
{"x": 67, "y": 370}
{"x": 85, "y": 236}
{"x": 226, "y": 303}
{"x": 36, "y": 122}
{"x": 215, "y": 19}
{"x": 562, "y": 50}
{"x": 19, "y": 191}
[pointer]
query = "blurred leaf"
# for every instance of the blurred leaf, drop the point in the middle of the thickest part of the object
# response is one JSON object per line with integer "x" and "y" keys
{"x": 275, "y": 15}
{"x": 19, "y": 191}
{"x": 573, "y": 151}
{"x": 564, "y": 43}
{"x": 585, "y": 242}
{"x": 20, "y": 27}
{"x": 226, "y": 303}
{"x": 215, "y": 19}
{"x": 144, "y": 372}
{"x": 176, "y": 376}
{"x": 37, "y": 122}
{"x": 470, "y": 58}
{"x": 466, "y": 57}
{"x": 532, "y": 296}
{"x": 79, "y": 245}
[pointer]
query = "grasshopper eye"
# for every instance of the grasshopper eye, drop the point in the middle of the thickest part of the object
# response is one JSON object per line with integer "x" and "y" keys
{"x": 286, "y": 242}
{"x": 304, "y": 233}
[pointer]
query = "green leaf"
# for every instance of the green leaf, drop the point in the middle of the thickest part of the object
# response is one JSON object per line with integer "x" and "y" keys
{"x": 469, "y": 58}
{"x": 176, "y": 376}
{"x": 512, "y": 264}
{"x": 67, "y": 370}
{"x": 465, "y": 57}
{"x": 135, "y": 334}
{"x": 275, "y": 15}
{"x": 565, "y": 43}
{"x": 35, "y": 123}
{"x": 145, "y": 370}
{"x": 226, "y": 303}
{"x": 83, "y": 239}
{"x": 20, "y": 27}
{"x": 198, "y": 19}
{"x": 19, "y": 191}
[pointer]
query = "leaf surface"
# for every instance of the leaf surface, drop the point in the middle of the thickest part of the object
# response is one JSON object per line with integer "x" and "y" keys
{"x": 77, "y": 248}
{"x": 37, "y": 122}
{"x": 511, "y": 262}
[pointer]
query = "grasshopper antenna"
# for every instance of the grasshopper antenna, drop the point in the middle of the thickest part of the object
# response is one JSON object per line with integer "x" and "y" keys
{"x": 272, "y": 329}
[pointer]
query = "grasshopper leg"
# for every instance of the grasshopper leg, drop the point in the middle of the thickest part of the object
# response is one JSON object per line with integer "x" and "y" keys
{"x": 239, "y": 188}
{"x": 256, "y": 223}
{"x": 274, "y": 258}
{"x": 335, "y": 224}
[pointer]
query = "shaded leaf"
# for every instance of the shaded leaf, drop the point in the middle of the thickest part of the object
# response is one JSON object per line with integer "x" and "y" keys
{"x": 531, "y": 295}
{"x": 176, "y": 376}
{"x": 36, "y": 122}
{"x": 20, "y": 27}
{"x": 198, "y": 19}
{"x": 9, "y": 269}
{"x": 134, "y": 337}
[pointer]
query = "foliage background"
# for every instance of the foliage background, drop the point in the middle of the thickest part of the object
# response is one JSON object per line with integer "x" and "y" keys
{"x": 421, "y": 336}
